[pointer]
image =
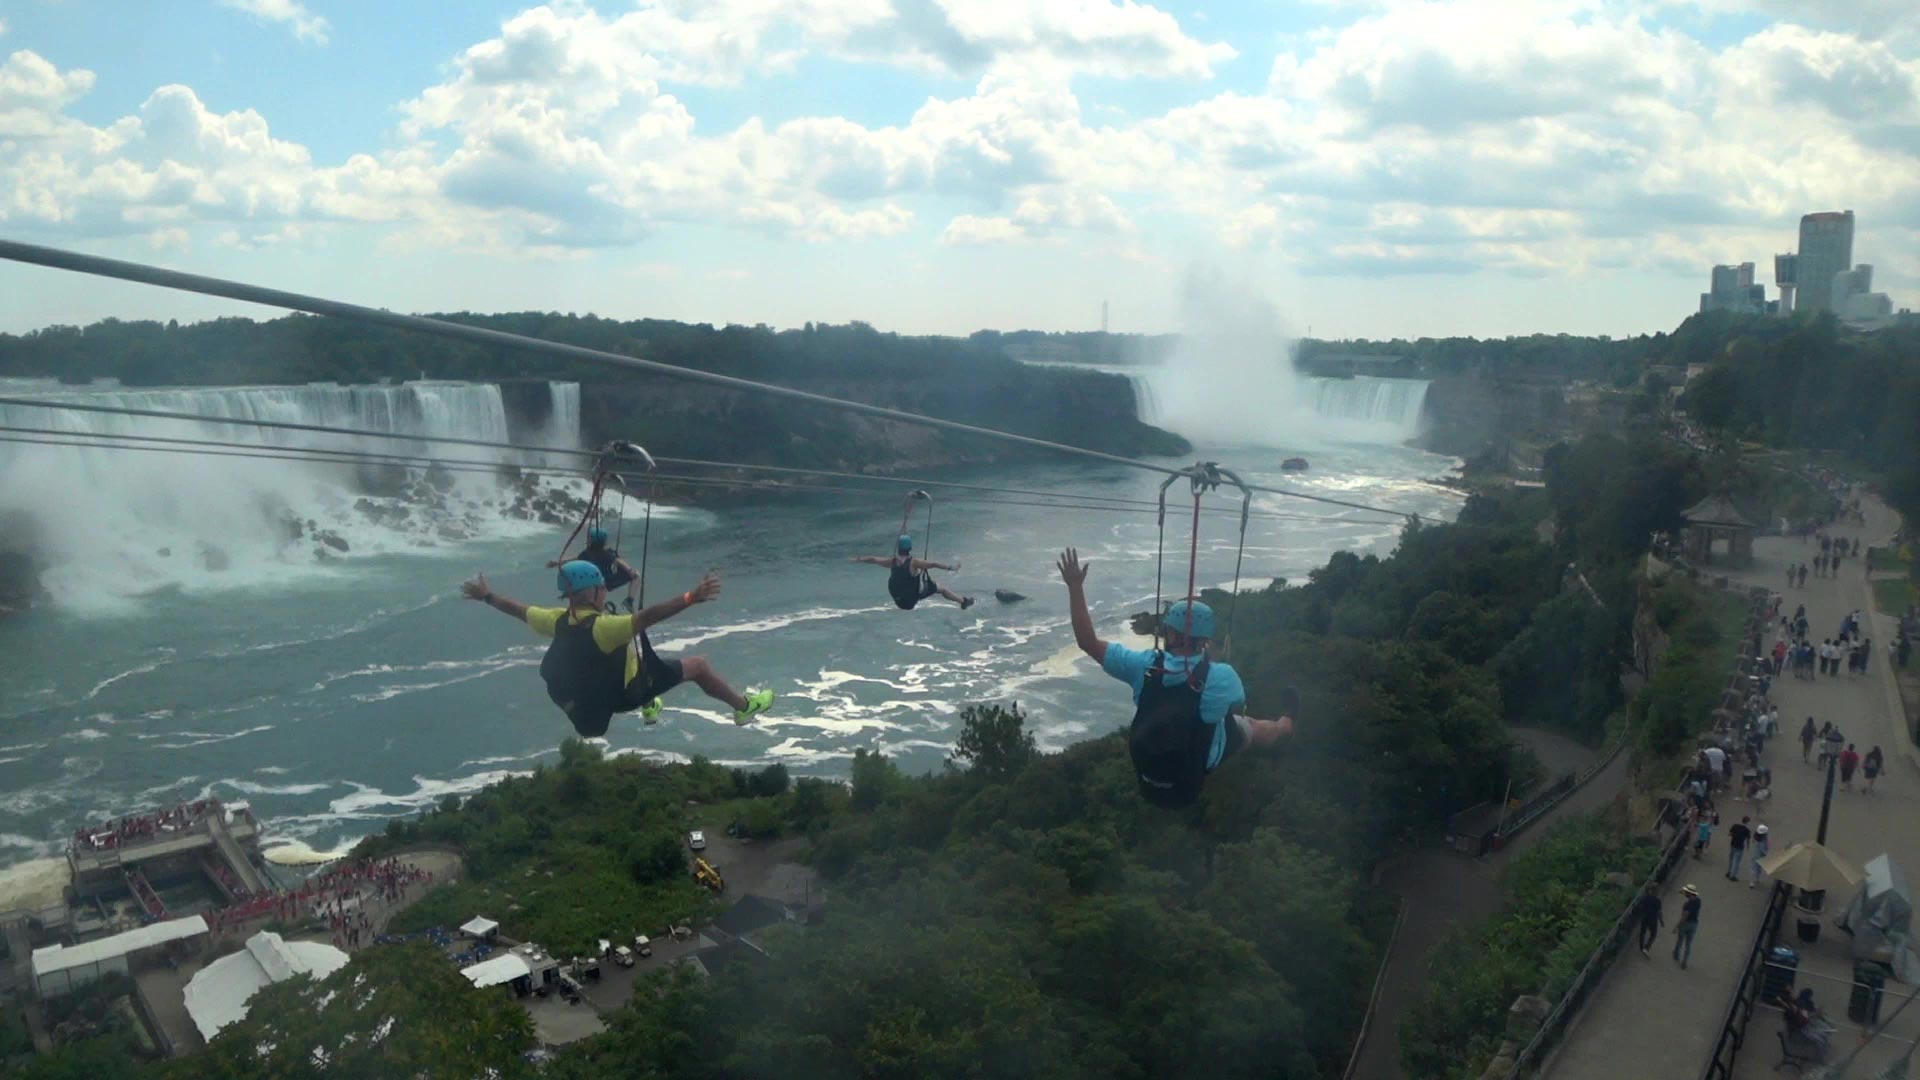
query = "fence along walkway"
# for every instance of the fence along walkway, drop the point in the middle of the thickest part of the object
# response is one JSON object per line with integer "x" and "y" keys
{"x": 1652, "y": 1021}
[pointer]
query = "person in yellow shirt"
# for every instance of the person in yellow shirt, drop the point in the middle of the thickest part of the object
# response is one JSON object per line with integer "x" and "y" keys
{"x": 592, "y": 669}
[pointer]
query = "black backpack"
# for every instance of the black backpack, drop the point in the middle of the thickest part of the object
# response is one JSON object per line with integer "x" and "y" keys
{"x": 1169, "y": 742}
{"x": 587, "y": 684}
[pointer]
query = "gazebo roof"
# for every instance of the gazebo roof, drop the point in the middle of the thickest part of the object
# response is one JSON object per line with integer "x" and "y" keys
{"x": 1716, "y": 510}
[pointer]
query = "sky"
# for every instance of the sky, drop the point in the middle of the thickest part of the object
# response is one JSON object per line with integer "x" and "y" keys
{"x": 1371, "y": 168}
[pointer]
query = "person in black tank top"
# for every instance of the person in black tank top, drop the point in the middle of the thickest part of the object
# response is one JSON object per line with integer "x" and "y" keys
{"x": 614, "y": 570}
{"x": 907, "y": 579}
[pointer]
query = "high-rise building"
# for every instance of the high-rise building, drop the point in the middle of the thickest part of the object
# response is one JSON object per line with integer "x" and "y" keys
{"x": 1785, "y": 267}
{"x": 1732, "y": 289}
{"x": 1826, "y": 249}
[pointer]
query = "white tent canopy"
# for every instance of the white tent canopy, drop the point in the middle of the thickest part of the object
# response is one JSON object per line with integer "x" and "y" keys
{"x": 479, "y": 926}
{"x": 503, "y": 968}
{"x": 60, "y": 968}
{"x": 218, "y": 994}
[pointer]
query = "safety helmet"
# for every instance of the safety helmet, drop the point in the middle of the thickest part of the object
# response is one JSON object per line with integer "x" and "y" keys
{"x": 579, "y": 576}
{"x": 597, "y": 535}
{"x": 906, "y": 542}
{"x": 1176, "y": 619}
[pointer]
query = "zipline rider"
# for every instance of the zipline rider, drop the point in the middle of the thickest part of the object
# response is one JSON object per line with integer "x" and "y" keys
{"x": 614, "y": 570}
{"x": 1187, "y": 707}
{"x": 592, "y": 669}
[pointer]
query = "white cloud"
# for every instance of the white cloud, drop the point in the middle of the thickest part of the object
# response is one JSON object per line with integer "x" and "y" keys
{"x": 968, "y": 229}
{"x": 1563, "y": 136}
{"x": 305, "y": 24}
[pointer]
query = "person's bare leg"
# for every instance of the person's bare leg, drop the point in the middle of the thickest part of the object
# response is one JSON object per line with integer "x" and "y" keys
{"x": 1268, "y": 732}
{"x": 951, "y": 595}
{"x": 701, "y": 674}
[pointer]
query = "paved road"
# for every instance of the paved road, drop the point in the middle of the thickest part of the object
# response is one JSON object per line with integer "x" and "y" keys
{"x": 1443, "y": 890}
{"x": 1650, "y": 1019}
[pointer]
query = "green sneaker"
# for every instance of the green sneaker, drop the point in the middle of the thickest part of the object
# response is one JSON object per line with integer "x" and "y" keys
{"x": 758, "y": 701}
{"x": 650, "y": 712}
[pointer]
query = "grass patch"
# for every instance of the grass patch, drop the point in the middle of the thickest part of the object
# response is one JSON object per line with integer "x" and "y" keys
{"x": 1893, "y": 595}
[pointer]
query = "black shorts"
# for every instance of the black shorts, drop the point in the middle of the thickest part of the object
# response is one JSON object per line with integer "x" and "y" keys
{"x": 907, "y": 596}
{"x": 655, "y": 677}
{"x": 1237, "y": 736}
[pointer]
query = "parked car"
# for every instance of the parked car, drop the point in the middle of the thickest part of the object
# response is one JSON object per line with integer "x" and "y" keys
{"x": 697, "y": 840}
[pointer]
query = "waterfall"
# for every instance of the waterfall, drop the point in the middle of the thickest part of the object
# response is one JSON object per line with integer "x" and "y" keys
{"x": 103, "y": 522}
{"x": 1393, "y": 403}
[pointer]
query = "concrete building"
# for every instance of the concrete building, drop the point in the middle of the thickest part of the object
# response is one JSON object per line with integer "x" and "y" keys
{"x": 1786, "y": 268}
{"x": 1731, "y": 288}
{"x": 1855, "y": 302}
{"x": 1826, "y": 249}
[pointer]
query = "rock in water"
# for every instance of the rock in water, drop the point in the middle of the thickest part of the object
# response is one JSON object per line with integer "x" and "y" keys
{"x": 1007, "y": 596}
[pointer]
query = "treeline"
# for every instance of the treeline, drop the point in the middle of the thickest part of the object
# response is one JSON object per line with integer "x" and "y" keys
{"x": 953, "y": 378}
{"x": 1803, "y": 385}
{"x": 308, "y": 348}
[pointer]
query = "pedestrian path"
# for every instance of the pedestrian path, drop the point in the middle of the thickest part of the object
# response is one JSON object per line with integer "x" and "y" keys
{"x": 1444, "y": 890}
{"x": 1650, "y": 1019}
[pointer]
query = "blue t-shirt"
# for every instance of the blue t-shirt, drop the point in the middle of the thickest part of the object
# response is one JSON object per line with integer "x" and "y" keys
{"x": 1220, "y": 696}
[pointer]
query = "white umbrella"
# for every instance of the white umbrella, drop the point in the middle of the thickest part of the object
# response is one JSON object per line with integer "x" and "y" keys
{"x": 1813, "y": 867}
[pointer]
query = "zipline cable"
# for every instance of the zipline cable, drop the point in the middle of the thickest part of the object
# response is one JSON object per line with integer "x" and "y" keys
{"x": 233, "y": 290}
{"x": 88, "y": 441}
{"x": 385, "y": 457}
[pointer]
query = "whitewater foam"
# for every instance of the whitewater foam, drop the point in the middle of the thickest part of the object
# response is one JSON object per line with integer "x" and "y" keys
{"x": 758, "y": 626}
{"x": 141, "y": 670}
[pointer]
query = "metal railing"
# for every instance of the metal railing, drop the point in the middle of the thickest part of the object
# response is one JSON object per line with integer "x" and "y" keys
{"x": 1532, "y": 1055}
{"x": 1373, "y": 1000}
{"x": 1746, "y": 994}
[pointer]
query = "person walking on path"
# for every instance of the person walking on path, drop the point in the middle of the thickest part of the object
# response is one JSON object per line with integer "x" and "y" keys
{"x": 1652, "y": 919}
{"x": 1808, "y": 733}
{"x": 1871, "y": 768}
{"x": 1737, "y": 838}
{"x": 1760, "y": 846}
{"x": 1688, "y": 925}
{"x": 1849, "y": 761}
{"x": 1703, "y": 831}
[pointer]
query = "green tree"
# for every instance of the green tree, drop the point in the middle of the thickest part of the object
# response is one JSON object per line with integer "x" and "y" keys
{"x": 994, "y": 740}
{"x": 391, "y": 1011}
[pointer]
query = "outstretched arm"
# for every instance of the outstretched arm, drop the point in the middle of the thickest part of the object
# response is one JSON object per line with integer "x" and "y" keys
{"x": 708, "y": 588}
{"x": 872, "y": 560}
{"x": 1074, "y": 573}
{"x": 478, "y": 589}
{"x": 921, "y": 566}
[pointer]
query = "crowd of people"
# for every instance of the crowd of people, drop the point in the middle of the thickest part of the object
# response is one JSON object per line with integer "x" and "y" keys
{"x": 137, "y": 828}
{"x": 338, "y": 894}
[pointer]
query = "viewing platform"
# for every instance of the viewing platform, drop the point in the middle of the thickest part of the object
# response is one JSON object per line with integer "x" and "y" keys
{"x": 100, "y": 856}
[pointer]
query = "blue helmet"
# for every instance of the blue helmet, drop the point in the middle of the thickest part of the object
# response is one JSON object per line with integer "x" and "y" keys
{"x": 906, "y": 542}
{"x": 1176, "y": 619}
{"x": 578, "y": 577}
{"x": 596, "y": 535}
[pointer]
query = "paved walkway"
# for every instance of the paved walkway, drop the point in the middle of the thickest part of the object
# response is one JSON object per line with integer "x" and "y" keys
{"x": 1654, "y": 1021}
{"x": 1443, "y": 889}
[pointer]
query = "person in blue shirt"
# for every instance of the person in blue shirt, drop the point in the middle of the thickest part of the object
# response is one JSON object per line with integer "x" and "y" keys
{"x": 1189, "y": 718}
